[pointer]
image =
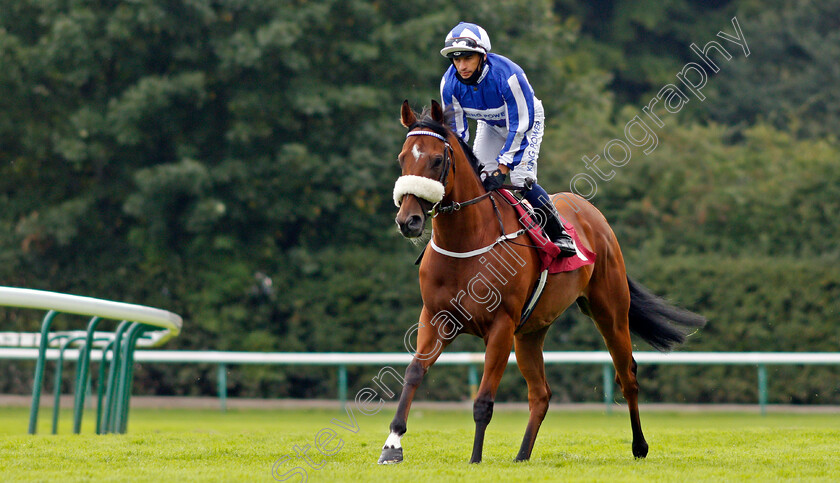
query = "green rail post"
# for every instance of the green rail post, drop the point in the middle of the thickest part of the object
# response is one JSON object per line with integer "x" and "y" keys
{"x": 221, "y": 379}
{"x": 57, "y": 391}
{"x": 472, "y": 380}
{"x": 58, "y": 370}
{"x": 100, "y": 387}
{"x": 117, "y": 408}
{"x": 57, "y": 385}
{"x": 762, "y": 388}
{"x": 113, "y": 372}
{"x": 39, "y": 370}
{"x": 134, "y": 334}
{"x": 342, "y": 386}
{"x": 82, "y": 381}
{"x": 83, "y": 366}
{"x": 606, "y": 371}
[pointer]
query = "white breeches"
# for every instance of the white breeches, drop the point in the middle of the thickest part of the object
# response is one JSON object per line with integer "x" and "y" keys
{"x": 489, "y": 141}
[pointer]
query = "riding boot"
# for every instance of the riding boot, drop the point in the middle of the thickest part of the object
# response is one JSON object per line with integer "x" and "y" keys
{"x": 554, "y": 230}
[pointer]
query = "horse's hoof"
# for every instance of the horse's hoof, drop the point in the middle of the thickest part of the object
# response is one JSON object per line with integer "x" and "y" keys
{"x": 390, "y": 456}
{"x": 640, "y": 450}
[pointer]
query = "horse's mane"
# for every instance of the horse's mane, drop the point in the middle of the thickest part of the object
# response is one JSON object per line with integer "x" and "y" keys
{"x": 424, "y": 120}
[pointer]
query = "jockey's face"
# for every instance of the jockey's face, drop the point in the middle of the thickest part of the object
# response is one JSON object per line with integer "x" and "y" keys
{"x": 467, "y": 64}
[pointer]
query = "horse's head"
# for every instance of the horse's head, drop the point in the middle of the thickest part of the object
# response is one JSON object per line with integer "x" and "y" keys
{"x": 426, "y": 163}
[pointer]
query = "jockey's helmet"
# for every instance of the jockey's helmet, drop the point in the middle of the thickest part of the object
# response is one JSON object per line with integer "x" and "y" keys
{"x": 465, "y": 38}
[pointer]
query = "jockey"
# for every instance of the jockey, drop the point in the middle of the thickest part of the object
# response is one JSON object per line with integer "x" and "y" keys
{"x": 494, "y": 91}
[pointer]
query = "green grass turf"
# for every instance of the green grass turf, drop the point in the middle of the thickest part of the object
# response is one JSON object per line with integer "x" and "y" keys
{"x": 205, "y": 445}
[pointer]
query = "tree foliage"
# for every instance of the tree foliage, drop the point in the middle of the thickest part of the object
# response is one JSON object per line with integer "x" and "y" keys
{"x": 788, "y": 77}
{"x": 232, "y": 161}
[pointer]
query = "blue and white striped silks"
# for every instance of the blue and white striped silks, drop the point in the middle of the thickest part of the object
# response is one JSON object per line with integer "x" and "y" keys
{"x": 502, "y": 97}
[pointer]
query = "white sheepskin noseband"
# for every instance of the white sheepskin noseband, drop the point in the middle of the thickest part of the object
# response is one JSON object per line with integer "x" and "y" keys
{"x": 419, "y": 186}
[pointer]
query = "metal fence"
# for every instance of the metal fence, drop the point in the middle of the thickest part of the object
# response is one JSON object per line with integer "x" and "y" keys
{"x": 473, "y": 360}
{"x": 133, "y": 321}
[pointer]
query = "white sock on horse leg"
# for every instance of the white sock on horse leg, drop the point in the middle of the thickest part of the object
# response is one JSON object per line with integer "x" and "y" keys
{"x": 393, "y": 441}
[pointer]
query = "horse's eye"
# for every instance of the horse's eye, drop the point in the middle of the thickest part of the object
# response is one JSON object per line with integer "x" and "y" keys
{"x": 436, "y": 161}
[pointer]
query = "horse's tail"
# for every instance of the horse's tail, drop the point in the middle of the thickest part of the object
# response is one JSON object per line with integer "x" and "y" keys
{"x": 659, "y": 323}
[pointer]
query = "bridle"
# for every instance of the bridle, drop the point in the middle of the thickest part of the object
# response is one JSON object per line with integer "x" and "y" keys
{"x": 447, "y": 153}
{"x": 452, "y": 206}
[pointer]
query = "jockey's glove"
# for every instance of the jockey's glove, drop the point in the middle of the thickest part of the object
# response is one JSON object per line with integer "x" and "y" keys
{"x": 494, "y": 180}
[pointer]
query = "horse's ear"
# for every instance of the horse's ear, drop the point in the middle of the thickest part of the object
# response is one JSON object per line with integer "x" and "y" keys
{"x": 407, "y": 117}
{"x": 437, "y": 112}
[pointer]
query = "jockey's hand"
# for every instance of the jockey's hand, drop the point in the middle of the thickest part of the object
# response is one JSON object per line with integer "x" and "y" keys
{"x": 494, "y": 180}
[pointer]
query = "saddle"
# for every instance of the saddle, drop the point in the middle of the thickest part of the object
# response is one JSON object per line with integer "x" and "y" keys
{"x": 550, "y": 260}
{"x": 549, "y": 253}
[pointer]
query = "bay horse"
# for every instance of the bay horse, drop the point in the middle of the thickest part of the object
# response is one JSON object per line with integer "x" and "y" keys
{"x": 475, "y": 279}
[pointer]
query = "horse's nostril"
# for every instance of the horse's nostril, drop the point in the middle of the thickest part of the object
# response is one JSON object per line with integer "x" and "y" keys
{"x": 415, "y": 222}
{"x": 412, "y": 226}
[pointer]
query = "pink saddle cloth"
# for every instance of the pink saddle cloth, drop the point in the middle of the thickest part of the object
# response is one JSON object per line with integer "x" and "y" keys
{"x": 549, "y": 252}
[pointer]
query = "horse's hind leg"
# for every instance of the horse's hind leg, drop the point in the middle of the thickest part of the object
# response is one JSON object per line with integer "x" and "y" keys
{"x": 529, "y": 358}
{"x": 609, "y": 303}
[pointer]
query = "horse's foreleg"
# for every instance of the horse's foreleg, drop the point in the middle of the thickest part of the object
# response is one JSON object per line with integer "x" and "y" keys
{"x": 429, "y": 347}
{"x": 392, "y": 450}
{"x": 529, "y": 358}
{"x": 499, "y": 342}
